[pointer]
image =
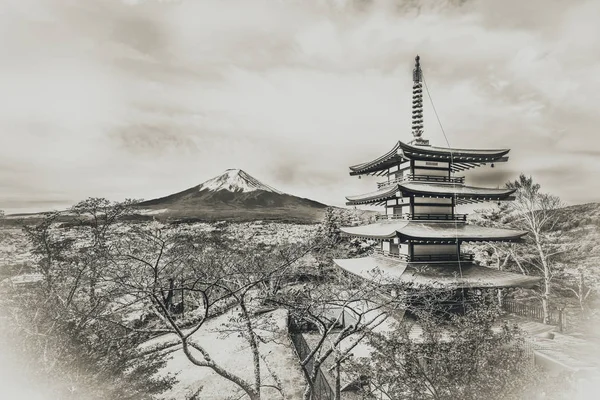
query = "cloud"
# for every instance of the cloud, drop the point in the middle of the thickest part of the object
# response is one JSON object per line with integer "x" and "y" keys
{"x": 143, "y": 98}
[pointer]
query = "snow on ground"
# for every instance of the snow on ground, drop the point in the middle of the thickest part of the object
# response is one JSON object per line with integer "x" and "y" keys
{"x": 151, "y": 212}
{"x": 232, "y": 352}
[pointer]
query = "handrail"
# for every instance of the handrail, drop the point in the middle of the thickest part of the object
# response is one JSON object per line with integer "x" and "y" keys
{"x": 401, "y": 256}
{"x": 423, "y": 217}
{"x": 423, "y": 178}
{"x": 443, "y": 257}
{"x": 426, "y": 257}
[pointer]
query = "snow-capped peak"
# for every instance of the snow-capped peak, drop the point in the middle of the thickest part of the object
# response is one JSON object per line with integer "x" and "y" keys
{"x": 235, "y": 180}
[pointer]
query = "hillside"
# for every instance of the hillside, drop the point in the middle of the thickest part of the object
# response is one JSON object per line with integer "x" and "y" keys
{"x": 580, "y": 225}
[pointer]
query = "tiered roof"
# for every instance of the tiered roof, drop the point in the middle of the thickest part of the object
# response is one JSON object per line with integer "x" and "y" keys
{"x": 391, "y": 271}
{"x": 461, "y": 193}
{"x": 460, "y": 159}
{"x": 432, "y": 231}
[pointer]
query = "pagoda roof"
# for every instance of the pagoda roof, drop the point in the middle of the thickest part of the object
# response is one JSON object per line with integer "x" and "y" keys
{"x": 460, "y": 159}
{"x": 387, "y": 270}
{"x": 461, "y": 192}
{"x": 432, "y": 231}
{"x": 385, "y": 193}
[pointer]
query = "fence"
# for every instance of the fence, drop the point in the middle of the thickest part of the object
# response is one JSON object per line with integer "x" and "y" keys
{"x": 423, "y": 217}
{"x": 529, "y": 311}
{"x": 321, "y": 390}
{"x": 422, "y": 178}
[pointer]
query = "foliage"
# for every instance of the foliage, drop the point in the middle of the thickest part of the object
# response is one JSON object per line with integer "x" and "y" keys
{"x": 153, "y": 263}
{"x": 538, "y": 214}
{"x": 341, "y": 314}
{"x": 60, "y": 323}
{"x": 470, "y": 356}
{"x": 333, "y": 245}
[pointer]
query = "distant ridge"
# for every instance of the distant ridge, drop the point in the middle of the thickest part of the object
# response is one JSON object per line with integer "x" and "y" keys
{"x": 233, "y": 195}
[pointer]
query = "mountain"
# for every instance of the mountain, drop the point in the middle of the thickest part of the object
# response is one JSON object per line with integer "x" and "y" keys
{"x": 234, "y": 195}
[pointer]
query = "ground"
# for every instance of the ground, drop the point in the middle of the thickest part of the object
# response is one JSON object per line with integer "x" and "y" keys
{"x": 233, "y": 353}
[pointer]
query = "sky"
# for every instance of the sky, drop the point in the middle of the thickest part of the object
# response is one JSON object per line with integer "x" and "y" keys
{"x": 141, "y": 99}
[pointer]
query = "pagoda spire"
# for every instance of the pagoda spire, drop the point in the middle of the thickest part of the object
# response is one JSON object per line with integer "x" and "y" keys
{"x": 417, "y": 103}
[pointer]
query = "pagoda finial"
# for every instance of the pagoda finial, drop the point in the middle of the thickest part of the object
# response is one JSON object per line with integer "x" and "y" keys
{"x": 417, "y": 103}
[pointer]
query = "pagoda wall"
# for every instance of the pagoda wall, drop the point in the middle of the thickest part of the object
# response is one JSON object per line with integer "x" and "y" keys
{"x": 391, "y": 247}
{"x": 432, "y": 168}
{"x": 436, "y": 200}
{"x": 398, "y": 209}
{"x": 385, "y": 246}
{"x": 432, "y": 164}
{"x": 427, "y": 249}
{"x": 398, "y": 171}
{"x": 444, "y": 209}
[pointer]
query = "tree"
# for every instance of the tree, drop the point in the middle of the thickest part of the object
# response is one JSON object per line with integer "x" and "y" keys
{"x": 63, "y": 334}
{"x": 584, "y": 289}
{"x": 468, "y": 356}
{"x": 147, "y": 260}
{"x": 341, "y": 315}
{"x": 538, "y": 214}
{"x": 331, "y": 243}
{"x": 498, "y": 255}
{"x": 97, "y": 217}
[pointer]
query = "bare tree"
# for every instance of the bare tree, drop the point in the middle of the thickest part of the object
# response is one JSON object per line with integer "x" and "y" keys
{"x": 341, "y": 314}
{"x": 147, "y": 259}
{"x": 583, "y": 289}
{"x": 538, "y": 214}
{"x": 62, "y": 331}
{"x": 97, "y": 217}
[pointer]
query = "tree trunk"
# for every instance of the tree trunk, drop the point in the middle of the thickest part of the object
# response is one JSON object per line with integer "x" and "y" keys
{"x": 547, "y": 279}
{"x": 92, "y": 283}
{"x": 253, "y": 341}
{"x": 545, "y": 300}
{"x": 338, "y": 382}
{"x": 306, "y": 394}
{"x": 582, "y": 295}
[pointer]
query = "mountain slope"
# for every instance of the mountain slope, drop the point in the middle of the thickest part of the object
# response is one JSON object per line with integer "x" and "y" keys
{"x": 234, "y": 195}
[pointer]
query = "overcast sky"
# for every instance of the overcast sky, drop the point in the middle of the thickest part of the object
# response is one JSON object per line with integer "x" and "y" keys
{"x": 141, "y": 99}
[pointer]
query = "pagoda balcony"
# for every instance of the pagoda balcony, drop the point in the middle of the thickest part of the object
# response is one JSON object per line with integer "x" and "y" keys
{"x": 422, "y": 217}
{"x": 423, "y": 178}
{"x": 426, "y": 257}
{"x": 400, "y": 256}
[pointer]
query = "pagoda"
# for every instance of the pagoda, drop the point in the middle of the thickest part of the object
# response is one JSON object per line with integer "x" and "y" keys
{"x": 419, "y": 236}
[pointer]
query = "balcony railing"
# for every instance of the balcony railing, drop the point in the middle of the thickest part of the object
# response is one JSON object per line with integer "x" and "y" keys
{"x": 423, "y": 178}
{"x": 442, "y": 257}
{"x": 400, "y": 256}
{"x": 425, "y": 257}
{"x": 423, "y": 217}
